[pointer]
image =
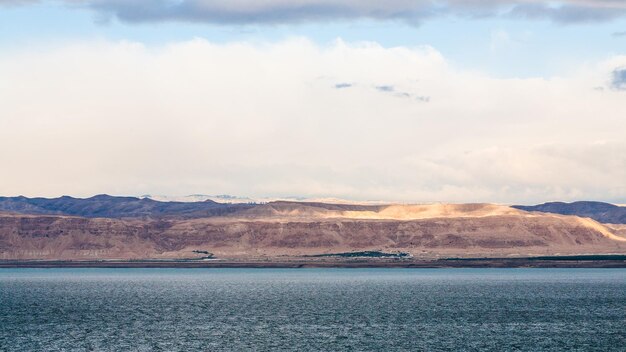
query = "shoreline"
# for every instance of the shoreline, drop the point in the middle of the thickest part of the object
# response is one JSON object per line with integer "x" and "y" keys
{"x": 593, "y": 261}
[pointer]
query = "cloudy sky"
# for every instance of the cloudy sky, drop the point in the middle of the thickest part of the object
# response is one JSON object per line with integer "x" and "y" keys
{"x": 399, "y": 100}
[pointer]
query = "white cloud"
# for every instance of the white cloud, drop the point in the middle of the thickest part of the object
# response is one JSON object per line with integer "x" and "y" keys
{"x": 267, "y": 120}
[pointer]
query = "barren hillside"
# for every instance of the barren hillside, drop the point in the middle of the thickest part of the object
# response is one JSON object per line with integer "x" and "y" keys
{"x": 295, "y": 229}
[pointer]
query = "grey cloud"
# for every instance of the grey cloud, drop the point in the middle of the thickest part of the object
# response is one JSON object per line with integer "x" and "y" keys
{"x": 619, "y": 34}
{"x": 343, "y": 85}
{"x": 16, "y": 2}
{"x": 254, "y": 12}
{"x": 403, "y": 95}
{"x": 294, "y": 11}
{"x": 618, "y": 80}
{"x": 386, "y": 89}
{"x": 399, "y": 94}
{"x": 569, "y": 13}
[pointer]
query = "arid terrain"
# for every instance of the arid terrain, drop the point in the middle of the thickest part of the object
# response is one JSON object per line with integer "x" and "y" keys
{"x": 284, "y": 231}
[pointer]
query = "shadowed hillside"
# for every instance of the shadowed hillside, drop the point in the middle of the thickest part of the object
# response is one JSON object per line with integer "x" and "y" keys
{"x": 105, "y": 206}
{"x": 602, "y": 212}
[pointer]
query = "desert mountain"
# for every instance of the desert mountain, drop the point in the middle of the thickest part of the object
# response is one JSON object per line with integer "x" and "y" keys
{"x": 602, "y": 212}
{"x": 292, "y": 229}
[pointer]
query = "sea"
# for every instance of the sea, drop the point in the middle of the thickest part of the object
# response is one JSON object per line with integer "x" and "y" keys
{"x": 321, "y": 309}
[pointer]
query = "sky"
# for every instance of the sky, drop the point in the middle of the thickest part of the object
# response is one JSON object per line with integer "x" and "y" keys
{"x": 404, "y": 100}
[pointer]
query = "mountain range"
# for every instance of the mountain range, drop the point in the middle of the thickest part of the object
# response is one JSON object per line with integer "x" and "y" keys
{"x": 198, "y": 206}
{"x": 106, "y": 206}
{"x": 109, "y": 227}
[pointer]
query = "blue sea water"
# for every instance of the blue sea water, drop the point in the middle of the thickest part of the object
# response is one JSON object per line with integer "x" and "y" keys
{"x": 312, "y": 309}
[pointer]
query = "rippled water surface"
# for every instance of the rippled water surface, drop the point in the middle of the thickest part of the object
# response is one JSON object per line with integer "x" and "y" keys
{"x": 313, "y": 309}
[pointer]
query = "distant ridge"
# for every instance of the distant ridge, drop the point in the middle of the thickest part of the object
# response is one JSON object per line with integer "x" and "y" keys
{"x": 220, "y": 198}
{"x": 129, "y": 228}
{"x": 233, "y": 199}
{"x": 199, "y": 206}
{"x": 107, "y": 206}
{"x": 599, "y": 211}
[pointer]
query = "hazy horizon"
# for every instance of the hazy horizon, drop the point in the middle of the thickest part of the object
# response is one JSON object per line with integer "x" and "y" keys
{"x": 229, "y": 198}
